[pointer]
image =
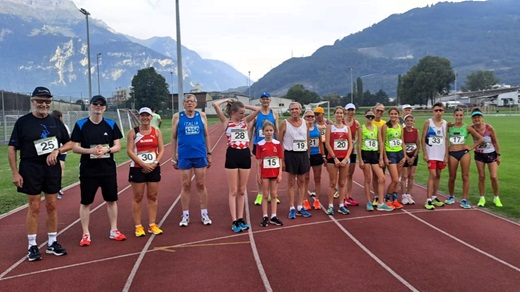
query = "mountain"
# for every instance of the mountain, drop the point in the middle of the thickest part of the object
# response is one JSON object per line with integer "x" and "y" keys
{"x": 43, "y": 42}
{"x": 472, "y": 35}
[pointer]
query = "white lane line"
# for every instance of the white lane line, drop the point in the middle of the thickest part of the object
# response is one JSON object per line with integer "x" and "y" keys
{"x": 464, "y": 243}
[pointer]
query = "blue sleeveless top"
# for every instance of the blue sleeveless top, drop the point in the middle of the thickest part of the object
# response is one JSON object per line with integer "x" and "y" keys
{"x": 190, "y": 136}
{"x": 315, "y": 140}
{"x": 260, "y": 122}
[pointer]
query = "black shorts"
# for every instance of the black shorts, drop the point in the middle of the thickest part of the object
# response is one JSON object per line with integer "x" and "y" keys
{"x": 62, "y": 157}
{"x": 458, "y": 154}
{"x": 254, "y": 150}
{"x": 353, "y": 158}
{"x": 38, "y": 178}
{"x": 137, "y": 175}
{"x": 414, "y": 163}
{"x": 316, "y": 160}
{"x": 486, "y": 157}
{"x": 90, "y": 185}
{"x": 370, "y": 157}
{"x": 297, "y": 162}
{"x": 238, "y": 158}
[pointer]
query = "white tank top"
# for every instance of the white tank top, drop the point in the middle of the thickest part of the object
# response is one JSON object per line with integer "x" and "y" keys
{"x": 294, "y": 138}
{"x": 436, "y": 141}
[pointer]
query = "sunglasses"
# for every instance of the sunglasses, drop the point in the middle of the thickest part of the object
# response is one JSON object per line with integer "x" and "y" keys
{"x": 438, "y": 110}
{"x": 98, "y": 104}
{"x": 379, "y": 111}
{"x": 370, "y": 117}
{"x": 40, "y": 101}
{"x": 309, "y": 117}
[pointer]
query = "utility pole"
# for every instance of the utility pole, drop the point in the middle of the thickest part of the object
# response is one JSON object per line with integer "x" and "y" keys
{"x": 86, "y": 13}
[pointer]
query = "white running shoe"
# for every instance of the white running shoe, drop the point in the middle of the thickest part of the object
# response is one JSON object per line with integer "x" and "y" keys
{"x": 205, "y": 220}
{"x": 404, "y": 199}
{"x": 185, "y": 221}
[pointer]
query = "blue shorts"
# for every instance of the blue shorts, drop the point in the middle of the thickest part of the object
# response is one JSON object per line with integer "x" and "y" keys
{"x": 189, "y": 163}
{"x": 395, "y": 157}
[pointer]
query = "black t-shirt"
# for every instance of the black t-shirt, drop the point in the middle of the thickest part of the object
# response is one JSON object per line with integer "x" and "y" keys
{"x": 34, "y": 137}
{"x": 89, "y": 135}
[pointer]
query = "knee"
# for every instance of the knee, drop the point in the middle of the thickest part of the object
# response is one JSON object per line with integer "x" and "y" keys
{"x": 493, "y": 178}
{"x": 138, "y": 198}
{"x": 240, "y": 194}
{"x": 34, "y": 207}
{"x": 152, "y": 197}
{"x": 186, "y": 186}
{"x": 201, "y": 186}
{"x": 411, "y": 177}
{"x": 381, "y": 180}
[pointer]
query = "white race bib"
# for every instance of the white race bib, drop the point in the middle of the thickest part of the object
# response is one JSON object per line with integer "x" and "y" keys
{"x": 192, "y": 130}
{"x": 410, "y": 147}
{"x": 106, "y": 155}
{"x": 395, "y": 142}
{"x": 46, "y": 145}
{"x": 272, "y": 162}
{"x": 457, "y": 140}
{"x": 261, "y": 133}
{"x": 239, "y": 136}
{"x": 436, "y": 140}
{"x": 314, "y": 142}
{"x": 147, "y": 156}
{"x": 371, "y": 144}
{"x": 299, "y": 145}
{"x": 340, "y": 144}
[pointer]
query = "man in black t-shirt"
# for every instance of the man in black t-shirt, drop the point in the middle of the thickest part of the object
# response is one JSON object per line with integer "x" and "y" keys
{"x": 38, "y": 136}
{"x": 97, "y": 139}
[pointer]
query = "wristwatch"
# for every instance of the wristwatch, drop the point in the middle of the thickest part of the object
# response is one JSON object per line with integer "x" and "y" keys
{"x": 109, "y": 150}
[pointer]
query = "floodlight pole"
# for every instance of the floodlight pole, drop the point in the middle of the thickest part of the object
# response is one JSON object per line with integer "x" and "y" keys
{"x": 86, "y": 13}
{"x": 179, "y": 58}
{"x": 97, "y": 66}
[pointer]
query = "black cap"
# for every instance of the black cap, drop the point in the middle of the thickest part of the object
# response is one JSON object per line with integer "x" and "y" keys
{"x": 41, "y": 91}
{"x": 98, "y": 98}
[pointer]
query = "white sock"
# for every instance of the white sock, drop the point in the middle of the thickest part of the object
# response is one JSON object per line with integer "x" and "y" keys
{"x": 299, "y": 207}
{"x": 273, "y": 215}
{"x": 340, "y": 205}
{"x": 32, "y": 239}
{"x": 186, "y": 213}
{"x": 482, "y": 197}
{"x": 203, "y": 212}
{"x": 331, "y": 206}
{"x": 53, "y": 236}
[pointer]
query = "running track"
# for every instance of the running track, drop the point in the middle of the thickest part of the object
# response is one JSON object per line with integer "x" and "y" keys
{"x": 449, "y": 249}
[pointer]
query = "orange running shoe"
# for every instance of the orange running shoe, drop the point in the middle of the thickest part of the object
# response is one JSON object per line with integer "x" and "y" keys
{"x": 396, "y": 204}
{"x": 306, "y": 205}
{"x": 85, "y": 240}
{"x": 317, "y": 205}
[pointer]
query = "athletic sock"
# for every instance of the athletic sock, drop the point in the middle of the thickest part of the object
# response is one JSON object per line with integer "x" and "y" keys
{"x": 203, "y": 212}
{"x": 32, "y": 239}
{"x": 53, "y": 236}
{"x": 186, "y": 213}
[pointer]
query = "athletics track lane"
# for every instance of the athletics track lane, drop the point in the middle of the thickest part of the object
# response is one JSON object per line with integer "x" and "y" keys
{"x": 363, "y": 251}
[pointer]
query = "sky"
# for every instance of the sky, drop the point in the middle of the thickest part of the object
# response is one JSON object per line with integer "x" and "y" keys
{"x": 252, "y": 36}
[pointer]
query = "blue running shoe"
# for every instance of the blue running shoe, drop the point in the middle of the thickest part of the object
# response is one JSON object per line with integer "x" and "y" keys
{"x": 330, "y": 211}
{"x": 450, "y": 200}
{"x": 370, "y": 207}
{"x": 292, "y": 214}
{"x": 464, "y": 204}
{"x": 384, "y": 207}
{"x": 235, "y": 226}
{"x": 343, "y": 210}
{"x": 242, "y": 224}
{"x": 395, "y": 196}
{"x": 303, "y": 213}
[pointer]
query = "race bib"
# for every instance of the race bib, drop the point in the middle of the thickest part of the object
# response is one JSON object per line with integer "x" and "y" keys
{"x": 314, "y": 142}
{"x": 271, "y": 162}
{"x": 340, "y": 144}
{"x": 299, "y": 145}
{"x": 484, "y": 145}
{"x": 147, "y": 156}
{"x": 410, "y": 147}
{"x": 371, "y": 144}
{"x": 239, "y": 136}
{"x": 261, "y": 133}
{"x": 106, "y": 155}
{"x": 395, "y": 142}
{"x": 457, "y": 140}
{"x": 192, "y": 130}
{"x": 436, "y": 140}
{"x": 46, "y": 145}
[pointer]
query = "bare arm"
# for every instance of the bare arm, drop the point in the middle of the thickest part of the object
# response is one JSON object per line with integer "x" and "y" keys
{"x": 175, "y": 127}
{"x": 256, "y": 110}
{"x": 17, "y": 178}
{"x": 218, "y": 110}
{"x": 423, "y": 139}
{"x": 476, "y": 137}
{"x": 206, "y": 138}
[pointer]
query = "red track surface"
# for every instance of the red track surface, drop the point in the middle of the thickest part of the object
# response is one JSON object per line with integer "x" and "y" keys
{"x": 449, "y": 249}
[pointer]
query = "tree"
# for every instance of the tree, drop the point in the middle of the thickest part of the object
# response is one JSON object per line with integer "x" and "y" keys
{"x": 358, "y": 97}
{"x": 300, "y": 94}
{"x": 480, "y": 80}
{"x": 333, "y": 99}
{"x": 423, "y": 82}
{"x": 149, "y": 89}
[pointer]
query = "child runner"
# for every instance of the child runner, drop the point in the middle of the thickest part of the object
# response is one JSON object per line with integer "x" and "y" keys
{"x": 316, "y": 160}
{"x": 392, "y": 133}
{"x": 412, "y": 145}
{"x": 350, "y": 111}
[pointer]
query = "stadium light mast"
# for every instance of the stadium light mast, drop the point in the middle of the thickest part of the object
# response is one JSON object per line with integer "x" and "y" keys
{"x": 86, "y": 13}
{"x": 179, "y": 58}
{"x": 97, "y": 68}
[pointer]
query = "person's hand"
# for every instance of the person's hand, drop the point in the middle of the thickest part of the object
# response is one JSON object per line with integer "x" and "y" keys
{"x": 52, "y": 158}
{"x": 18, "y": 180}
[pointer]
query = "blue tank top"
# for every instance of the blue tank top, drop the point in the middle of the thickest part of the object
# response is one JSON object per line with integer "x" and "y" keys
{"x": 315, "y": 136}
{"x": 190, "y": 136}
{"x": 258, "y": 135}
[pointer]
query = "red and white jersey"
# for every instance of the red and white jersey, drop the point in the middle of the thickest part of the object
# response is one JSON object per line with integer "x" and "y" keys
{"x": 145, "y": 146}
{"x": 339, "y": 141}
{"x": 237, "y": 136}
{"x": 270, "y": 155}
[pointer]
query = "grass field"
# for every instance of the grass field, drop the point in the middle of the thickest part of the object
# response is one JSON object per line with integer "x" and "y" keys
{"x": 507, "y": 135}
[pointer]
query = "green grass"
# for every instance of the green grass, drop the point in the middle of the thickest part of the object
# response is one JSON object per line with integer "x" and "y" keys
{"x": 507, "y": 135}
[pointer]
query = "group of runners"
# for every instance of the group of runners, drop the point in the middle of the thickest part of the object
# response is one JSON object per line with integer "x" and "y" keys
{"x": 294, "y": 145}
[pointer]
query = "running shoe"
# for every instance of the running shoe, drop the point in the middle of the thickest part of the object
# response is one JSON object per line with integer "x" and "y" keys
{"x": 117, "y": 235}
{"x": 497, "y": 202}
{"x": 265, "y": 221}
{"x": 395, "y": 196}
{"x": 351, "y": 202}
{"x": 370, "y": 207}
{"x": 258, "y": 200}
{"x": 450, "y": 200}
{"x": 306, "y": 205}
{"x": 396, "y": 204}
{"x": 375, "y": 201}
{"x": 184, "y": 221}
{"x": 56, "y": 249}
{"x": 388, "y": 197}
{"x": 276, "y": 221}
{"x": 481, "y": 202}
{"x": 277, "y": 200}
{"x": 312, "y": 194}
{"x": 410, "y": 200}
{"x": 437, "y": 202}
{"x": 33, "y": 254}
{"x": 343, "y": 210}
{"x": 330, "y": 211}
{"x": 205, "y": 219}
{"x": 384, "y": 207}
{"x": 139, "y": 231}
{"x": 60, "y": 194}
{"x": 85, "y": 240}
{"x": 464, "y": 204}
{"x": 303, "y": 213}
{"x": 242, "y": 224}
{"x": 336, "y": 194}
{"x": 429, "y": 205}
{"x": 316, "y": 204}
{"x": 292, "y": 214}
{"x": 404, "y": 199}
{"x": 154, "y": 229}
{"x": 235, "y": 226}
